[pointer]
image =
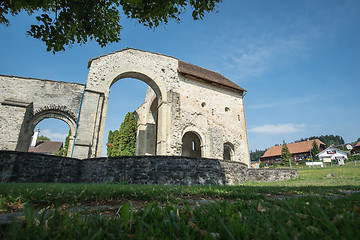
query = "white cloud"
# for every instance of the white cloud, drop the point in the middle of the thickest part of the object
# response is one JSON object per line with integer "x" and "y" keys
{"x": 278, "y": 128}
{"x": 254, "y": 58}
{"x": 59, "y": 137}
{"x": 252, "y": 55}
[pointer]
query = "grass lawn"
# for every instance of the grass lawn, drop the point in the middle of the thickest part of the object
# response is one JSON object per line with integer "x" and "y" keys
{"x": 310, "y": 207}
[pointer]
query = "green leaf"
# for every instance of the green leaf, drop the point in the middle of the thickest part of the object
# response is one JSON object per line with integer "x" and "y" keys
{"x": 29, "y": 214}
{"x": 125, "y": 214}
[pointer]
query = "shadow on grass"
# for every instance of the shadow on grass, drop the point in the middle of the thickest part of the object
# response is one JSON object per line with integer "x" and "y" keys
{"x": 47, "y": 194}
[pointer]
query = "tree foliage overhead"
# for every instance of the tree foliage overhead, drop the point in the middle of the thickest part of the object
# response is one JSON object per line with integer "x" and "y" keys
{"x": 66, "y": 22}
{"x": 123, "y": 142}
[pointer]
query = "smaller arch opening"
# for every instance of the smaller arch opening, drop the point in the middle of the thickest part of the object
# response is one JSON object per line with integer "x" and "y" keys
{"x": 228, "y": 151}
{"x": 56, "y": 124}
{"x": 203, "y": 104}
{"x": 51, "y": 136}
{"x": 191, "y": 145}
{"x": 227, "y": 109}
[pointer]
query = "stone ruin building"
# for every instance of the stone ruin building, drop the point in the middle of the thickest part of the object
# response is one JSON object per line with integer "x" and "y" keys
{"x": 188, "y": 110}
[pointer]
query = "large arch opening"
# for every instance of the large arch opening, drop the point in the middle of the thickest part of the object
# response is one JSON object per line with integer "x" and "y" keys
{"x": 132, "y": 93}
{"x": 191, "y": 145}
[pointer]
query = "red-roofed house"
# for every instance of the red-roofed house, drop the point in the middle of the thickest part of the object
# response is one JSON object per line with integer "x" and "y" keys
{"x": 299, "y": 151}
{"x": 356, "y": 149}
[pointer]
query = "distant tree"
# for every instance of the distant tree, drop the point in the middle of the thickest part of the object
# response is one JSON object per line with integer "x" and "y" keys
{"x": 123, "y": 142}
{"x": 110, "y": 144}
{"x": 66, "y": 22}
{"x": 327, "y": 139}
{"x": 127, "y": 133}
{"x": 43, "y": 138}
{"x": 315, "y": 150}
{"x": 354, "y": 143}
{"x": 285, "y": 155}
{"x": 113, "y": 144}
{"x": 67, "y": 142}
{"x": 64, "y": 150}
{"x": 256, "y": 155}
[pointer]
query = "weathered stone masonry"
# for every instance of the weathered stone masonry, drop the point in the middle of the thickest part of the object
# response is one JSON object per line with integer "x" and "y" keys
{"x": 24, "y": 102}
{"x": 169, "y": 170}
{"x": 189, "y": 110}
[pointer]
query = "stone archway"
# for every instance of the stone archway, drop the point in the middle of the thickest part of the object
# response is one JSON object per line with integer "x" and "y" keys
{"x": 47, "y": 112}
{"x": 189, "y": 99}
{"x": 149, "y": 146}
{"x": 106, "y": 71}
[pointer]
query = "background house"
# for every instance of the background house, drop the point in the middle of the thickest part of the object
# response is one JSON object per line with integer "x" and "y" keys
{"x": 299, "y": 151}
{"x": 255, "y": 164}
{"x": 47, "y": 147}
{"x": 356, "y": 149}
{"x": 332, "y": 154}
{"x": 44, "y": 146}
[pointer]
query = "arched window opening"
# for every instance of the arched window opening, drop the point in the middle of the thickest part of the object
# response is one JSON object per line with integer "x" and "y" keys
{"x": 51, "y": 136}
{"x": 191, "y": 145}
{"x": 228, "y": 151}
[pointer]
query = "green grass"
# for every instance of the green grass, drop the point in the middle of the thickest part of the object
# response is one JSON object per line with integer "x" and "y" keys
{"x": 309, "y": 207}
{"x": 309, "y": 176}
{"x": 296, "y": 218}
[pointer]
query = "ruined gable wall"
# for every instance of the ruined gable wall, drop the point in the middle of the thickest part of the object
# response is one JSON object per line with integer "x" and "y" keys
{"x": 155, "y": 65}
{"x": 22, "y": 98}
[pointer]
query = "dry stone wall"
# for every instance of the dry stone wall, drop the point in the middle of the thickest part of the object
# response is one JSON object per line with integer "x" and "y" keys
{"x": 165, "y": 170}
{"x": 35, "y": 167}
{"x": 271, "y": 174}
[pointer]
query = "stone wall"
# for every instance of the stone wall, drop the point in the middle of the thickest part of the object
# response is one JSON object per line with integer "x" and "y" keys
{"x": 169, "y": 170}
{"x": 271, "y": 174}
{"x": 35, "y": 167}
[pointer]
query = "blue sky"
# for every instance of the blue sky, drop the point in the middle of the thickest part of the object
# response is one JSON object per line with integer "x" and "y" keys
{"x": 298, "y": 60}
